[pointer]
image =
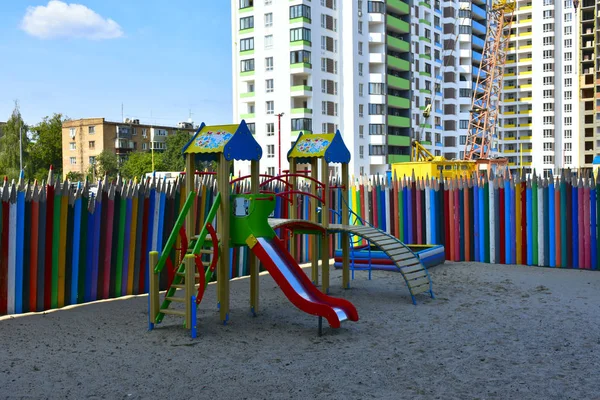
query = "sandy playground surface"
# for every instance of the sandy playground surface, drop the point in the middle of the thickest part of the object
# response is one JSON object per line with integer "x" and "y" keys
{"x": 493, "y": 332}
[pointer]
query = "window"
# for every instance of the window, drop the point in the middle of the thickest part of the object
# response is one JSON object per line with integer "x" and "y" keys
{"x": 73, "y": 160}
{"x": 271, "y": 171}
{"x": 548, "y": 146}
{"x": 568, "y": 159}
{"x": 568, "y": 134}
{"x": 91, "y": 130}
{"x": 246, "y": 23}
{"x": 376, "y": 129}
{"x": 92, "y": 144}
{"x": 144, "y": 146}
{"x": 360, "y": 27}
{"x": 252, "y": 127}
{"x": 72, "y": 132}
{"x": 269, "y": 64}
{"x": 376, "y": 109}
{"x": 361, "y": 151}
{"x": 361, "y": 89}
{"x": 568, "y": 82}
{"x": 270, "y": 151}
{"x": 568, "y": 108}
{"x": 360, "y": 69}
{"x": 568, "y": 29}
{"x": 361, "y": 110}
{"x": 247, "y": 65}
{"x": 301, "y": 124}
{"x": 548, "y": 106}
{"x": 360, "y": 48}
{"x": 300, "y": 11}
{"x": 568, "y": 146}
{"x": 299, "y": 34}
{"x": 548, "y": 94}
{"x": 548, "y": 67}
{"x": 92, "y": 160}
{"x": 548, "y": 133}
{"x": 548, "y": 27}
{"x": 568, "y": 56}
{"x": 568, "y": 69}
{"x": 270, "y": 106}
{"x": 548, "y": 80}
{"x": 144, "y": 132}
{"x": 270, "y": 128}
{"x": 548, "y": 120}
{"x": 72, "y": 146}
{"x": 268, "y": 42}
{"x": 464, "y": 29}
{"x": 568, "y": 95}
{"x": 268, "y": 20}
{"x": 548, "y": 54}
{"x": 548, "y": 40}
{"x": 548, "y": 14}
{"x": 269, "y": 85}
{"x": 568, "y": 121}
{"x": 377, "y": 88}
{"x": 464, "y": 13}
{"x": 299, "y": 56}
{"x": 548, "y": 159}
{"x": 568, "y": 17}
{"x": 462, "y": 140}
{"x": 463, "y": 124}
{"x": 246, "y": 3}
{"x": 361, "y": 131}
{"x": 376, "y": 7}
{"x": 568, "y": 43}
{"x": 247, "y": 44}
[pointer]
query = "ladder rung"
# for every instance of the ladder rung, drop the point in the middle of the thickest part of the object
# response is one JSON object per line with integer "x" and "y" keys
{"x": 175, "y": 299}
{"x": 182, "y": 285}
{"x": 168, "y": 311}
{"x": 183, "y": 274}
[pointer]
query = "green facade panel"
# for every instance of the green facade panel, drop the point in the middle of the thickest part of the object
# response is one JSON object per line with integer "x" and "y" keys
{"x": 400, "y": 122}
{"x": 399, "y": 102}
{"x": 394, "y": 140}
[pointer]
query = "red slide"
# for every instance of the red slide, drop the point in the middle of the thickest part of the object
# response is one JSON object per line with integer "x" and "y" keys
{"x": 297, "y": 287}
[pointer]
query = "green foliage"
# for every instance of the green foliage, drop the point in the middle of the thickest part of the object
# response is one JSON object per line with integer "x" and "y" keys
{"x": 107, "y": 163}
{"x": 9, "y": 146}
{"x": 140, "y": 163}
{"x": 73, "y": 176}
{"x": 46, "y": 147}
{"x": 172, "y": 158}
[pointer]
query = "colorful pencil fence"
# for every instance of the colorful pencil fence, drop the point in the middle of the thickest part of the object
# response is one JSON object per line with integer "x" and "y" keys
{"x": 60, "y": 245}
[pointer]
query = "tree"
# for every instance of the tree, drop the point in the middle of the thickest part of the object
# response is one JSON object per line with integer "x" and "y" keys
{"x": 139, "y": 163}
{"x": 73, "y": 176}
{"x": 9, "y": 145}
{"x": 46, "y": 148}
{"x": 172, "y": 159}
{"x": 107, "y": 163}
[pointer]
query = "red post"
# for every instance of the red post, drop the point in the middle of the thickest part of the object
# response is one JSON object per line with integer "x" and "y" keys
{"x": 279, "y": 143}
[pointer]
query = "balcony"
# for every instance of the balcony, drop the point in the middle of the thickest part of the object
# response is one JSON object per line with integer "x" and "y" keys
{"x": 399, "y": 44}
{"x": 247, "y": 94}
{"x": 397, "y": 158}
{"x": 300, "y": 68}
{"x": 399, "y": 83}
{"x": 301, "y": 91}
{"x": 375, "y": 37}
{"x": 398, "y": 6}
{"x": 395, "y": 140}
{"x": 398, "y": 102}
{"x": 401, "y": 122}
{"x": 398, "y": 63}
{"x": 247, "y": 116}
{"x": 307, "y": 111}
{"x": 398, "y": 24}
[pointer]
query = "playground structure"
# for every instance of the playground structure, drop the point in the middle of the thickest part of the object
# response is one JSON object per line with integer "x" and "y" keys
{"x": 243, "y": 220}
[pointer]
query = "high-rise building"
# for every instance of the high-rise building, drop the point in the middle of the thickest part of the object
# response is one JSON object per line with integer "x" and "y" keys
{"x": 589, "y": 82}
{"x": 540, "y": 108}
{"x": 320, "y": 66}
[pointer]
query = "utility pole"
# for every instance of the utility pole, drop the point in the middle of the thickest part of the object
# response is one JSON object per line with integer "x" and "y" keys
{"x": 279, "y": 142}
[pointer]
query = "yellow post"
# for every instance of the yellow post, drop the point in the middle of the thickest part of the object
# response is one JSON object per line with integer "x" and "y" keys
{"x": 292, "y": 206}
{"x": 223, "y": 225}
{"x": 345, "y": 221}
{"x": 325, "y": 219}
{"x": 154, "y": 289}
{"x": 190, "y": 285}
{"x": 314, "y": 173}
{"x": 253, "y": 262}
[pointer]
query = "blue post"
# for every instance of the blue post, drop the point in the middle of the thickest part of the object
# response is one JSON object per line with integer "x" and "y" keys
{"x": 529, "y": 227}
{"x": 193, "y": 327}
{"x": 594, "y": 248}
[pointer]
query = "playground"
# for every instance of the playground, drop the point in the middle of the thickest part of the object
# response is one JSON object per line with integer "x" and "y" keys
{"x": 493, "y": 331}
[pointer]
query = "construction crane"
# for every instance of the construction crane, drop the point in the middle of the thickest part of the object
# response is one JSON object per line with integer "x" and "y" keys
{"x": 486, "y": 94}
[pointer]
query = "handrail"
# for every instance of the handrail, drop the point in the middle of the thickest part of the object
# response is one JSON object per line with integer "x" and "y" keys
{"x": 175, "y": 232}
{"x": 205, "y": 230}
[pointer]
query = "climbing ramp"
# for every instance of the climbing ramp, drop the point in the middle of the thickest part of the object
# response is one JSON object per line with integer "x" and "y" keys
{"x": 408, "y": 263}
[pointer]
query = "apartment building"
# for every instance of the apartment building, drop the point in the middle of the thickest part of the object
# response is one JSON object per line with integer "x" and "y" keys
{"x": 84, "y": 139}
{"x": 540, "y": 108}
{"x": 589, "y": 83}
{"x": 319, "y": 66}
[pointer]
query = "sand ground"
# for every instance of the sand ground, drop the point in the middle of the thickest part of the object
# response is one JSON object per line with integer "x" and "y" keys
{"x": 493, "y": 332}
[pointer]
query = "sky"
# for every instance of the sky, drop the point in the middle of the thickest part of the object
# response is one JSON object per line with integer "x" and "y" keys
{"x": 85, "y": 58}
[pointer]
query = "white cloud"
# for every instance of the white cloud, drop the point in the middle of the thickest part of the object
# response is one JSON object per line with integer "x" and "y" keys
{"x": 61, "y": 20}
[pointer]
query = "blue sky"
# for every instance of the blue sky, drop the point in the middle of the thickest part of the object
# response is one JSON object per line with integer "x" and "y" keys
{"x": 159, "y": 58}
